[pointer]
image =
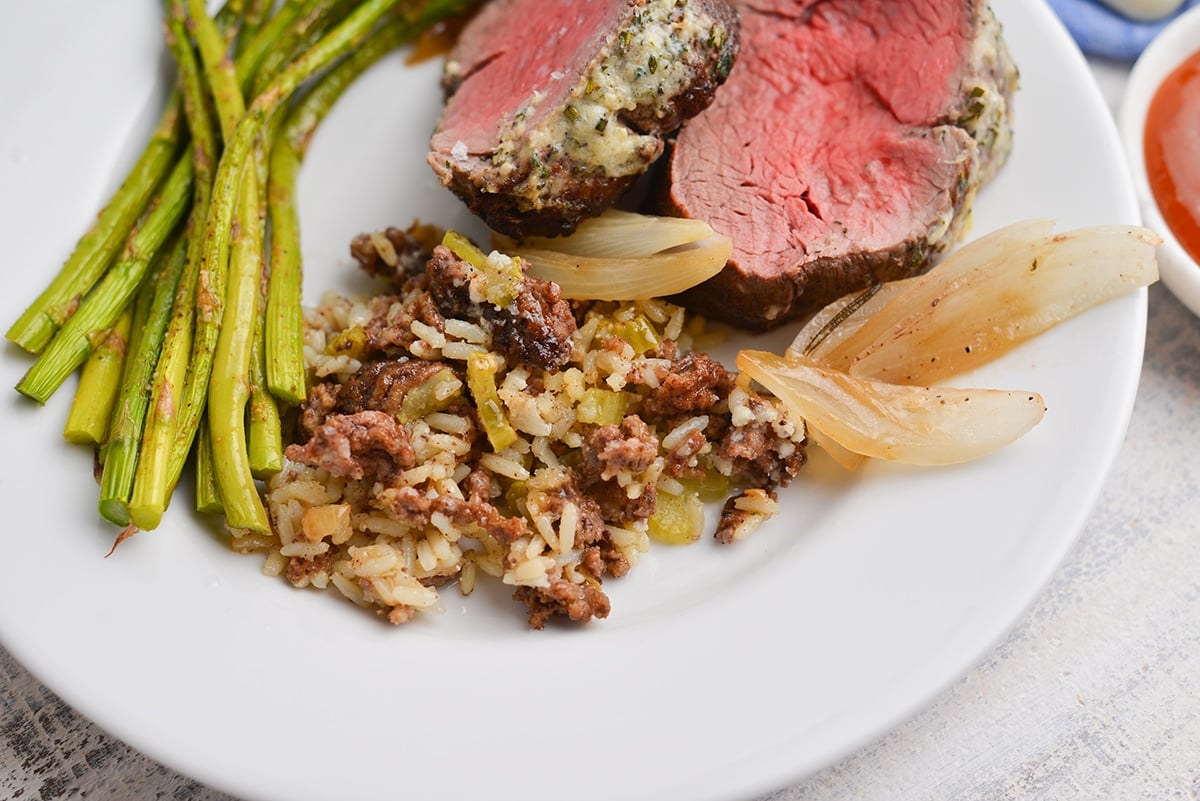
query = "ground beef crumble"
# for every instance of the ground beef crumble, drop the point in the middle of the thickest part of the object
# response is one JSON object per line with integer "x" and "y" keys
{"x": 389, "y": 330}
{"x": 367, "y": 443}
{"x": 382, "y": 385}
{"x": 611, "y": 449}
{"x": 578, "y": 602}
{"x": 756, "y": 451}
{"x": 692, "y": 385}
{"x": 616, "y": 505}
{"x": 300, "y": 570}
{"x": 415, "y": 508}
{"x": 590, "y": 527}
{"x": 321, "y": 400}
{"x": 535, "y": 328}
{"x": 450, "y": 284}
{"x": 401, "y": 614}
{"x": 394, "y": 254}
{"x": 681, "y": 459}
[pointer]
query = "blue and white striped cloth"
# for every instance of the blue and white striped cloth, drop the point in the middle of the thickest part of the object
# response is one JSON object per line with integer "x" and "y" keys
{"x": 1100, "y": 31}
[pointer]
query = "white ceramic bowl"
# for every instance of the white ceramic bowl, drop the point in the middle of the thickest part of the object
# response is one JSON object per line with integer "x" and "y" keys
{"x": 1169, "y": 49}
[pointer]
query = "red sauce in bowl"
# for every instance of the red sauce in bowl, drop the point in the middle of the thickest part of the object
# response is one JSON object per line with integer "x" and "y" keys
{"x": 1172, "y": 152}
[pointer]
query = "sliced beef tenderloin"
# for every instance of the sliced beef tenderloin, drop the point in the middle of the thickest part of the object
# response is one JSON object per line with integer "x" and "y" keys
{"x": 844, "y": 150}
{"x": 556, "y": 106}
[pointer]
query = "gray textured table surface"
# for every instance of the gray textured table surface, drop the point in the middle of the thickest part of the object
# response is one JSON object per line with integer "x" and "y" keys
{"x": 1093, "y": 695}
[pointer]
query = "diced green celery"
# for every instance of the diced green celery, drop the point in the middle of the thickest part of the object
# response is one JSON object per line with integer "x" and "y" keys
{"x": 640, "y": 334}
{"x": 605, "y": 329}
{"x": 677, "y": 519}
{"x": 463, "y": 248}
{"x": 352, "y": 342}
{"x": 481, "y": 380}
{"x": 515, "y": 493}
{"x": 712, "y": 487}
{"x": 603, "y": 407}
{"x": 499, "y": 432}
{"x": 431, "y": 395}
{"x": 504, "y": 277}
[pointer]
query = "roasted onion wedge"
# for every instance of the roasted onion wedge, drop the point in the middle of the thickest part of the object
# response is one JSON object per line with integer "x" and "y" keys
{"x": 982, "y": 301}
{"x": 822, "y": 337}
{"x": 843, "y": 456}
{"x": 908, "y": 424}
{"x": 911, "y": 296}
{"x": 624, "y": 256}
{"x": 617, "y": 234}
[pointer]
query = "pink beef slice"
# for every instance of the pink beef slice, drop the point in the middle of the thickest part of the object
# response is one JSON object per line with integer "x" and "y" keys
{"x": 845, "y": 148}
{"x": 555, "y": 107}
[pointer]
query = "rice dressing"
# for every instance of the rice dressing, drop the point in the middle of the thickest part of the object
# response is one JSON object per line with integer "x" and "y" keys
{"x": 1172, "y": 152}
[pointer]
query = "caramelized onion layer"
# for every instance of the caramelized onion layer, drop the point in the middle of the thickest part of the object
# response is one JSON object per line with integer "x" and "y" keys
{"x": 624, "y": 256}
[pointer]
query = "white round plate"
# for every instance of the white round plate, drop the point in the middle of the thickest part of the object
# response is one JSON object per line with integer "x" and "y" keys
{"x": 722, "y": 673}
{"x": 1169, "y": 49}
